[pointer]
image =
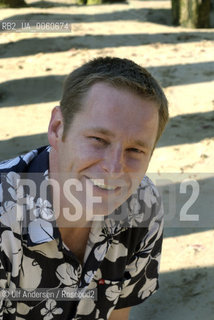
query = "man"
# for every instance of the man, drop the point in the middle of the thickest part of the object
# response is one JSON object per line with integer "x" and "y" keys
{"x": 97, "y": 231}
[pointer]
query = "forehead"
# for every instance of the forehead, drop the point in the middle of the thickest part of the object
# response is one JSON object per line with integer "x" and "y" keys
{"x": 122, "y": 112}
{"x": 105, "y": 101}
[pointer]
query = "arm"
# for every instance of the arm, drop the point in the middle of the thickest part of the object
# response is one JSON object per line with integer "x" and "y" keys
{"x": 120, "y": 314}
{"x": 141, "y": 279}
{"x": 3, "y": 282}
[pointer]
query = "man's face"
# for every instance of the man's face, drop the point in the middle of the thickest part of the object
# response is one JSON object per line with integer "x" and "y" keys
{"x": 111, "y": 139}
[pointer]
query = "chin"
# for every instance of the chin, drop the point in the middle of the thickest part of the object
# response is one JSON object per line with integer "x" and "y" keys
{"x": 101, "y": 210}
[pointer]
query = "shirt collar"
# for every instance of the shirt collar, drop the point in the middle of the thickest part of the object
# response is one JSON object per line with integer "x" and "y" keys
{"x": 38, "y": 225}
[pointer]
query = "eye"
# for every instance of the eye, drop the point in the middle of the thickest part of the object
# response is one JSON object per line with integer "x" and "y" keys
{"x": 135, "y": 150}
{"x": 98, "y": 139}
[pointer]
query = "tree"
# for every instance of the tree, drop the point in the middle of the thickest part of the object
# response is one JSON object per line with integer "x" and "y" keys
{"x": 112, "y": 1}
{"x": 191, "y": 13}
{"x": 100, "y": 1}
{"x": 13, "y": 3}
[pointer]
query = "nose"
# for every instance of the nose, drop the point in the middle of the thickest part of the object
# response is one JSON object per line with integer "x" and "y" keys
{"x": 113, "y": 162}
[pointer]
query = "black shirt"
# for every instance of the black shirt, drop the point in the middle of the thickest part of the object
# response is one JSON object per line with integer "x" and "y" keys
{"x": 121, "y": 259}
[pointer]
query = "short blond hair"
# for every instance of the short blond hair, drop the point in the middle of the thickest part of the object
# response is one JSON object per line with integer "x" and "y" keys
{"x": 120, "y": 73}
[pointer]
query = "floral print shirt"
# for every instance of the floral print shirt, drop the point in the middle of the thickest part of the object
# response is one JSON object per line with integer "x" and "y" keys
{"x": 121, "y": 261}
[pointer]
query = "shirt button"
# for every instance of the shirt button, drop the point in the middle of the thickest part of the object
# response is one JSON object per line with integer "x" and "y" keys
{"x": 101, "y": 281}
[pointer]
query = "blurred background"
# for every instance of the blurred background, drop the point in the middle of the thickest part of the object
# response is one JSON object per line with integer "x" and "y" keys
{"x": 175, "y": 43}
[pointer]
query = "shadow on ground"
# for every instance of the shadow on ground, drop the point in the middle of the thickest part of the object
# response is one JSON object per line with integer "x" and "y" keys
{"x": 40, "y": 90}
{"x": 35, "y": 45}
{"x": 159, "y": 16}
{"x": 13, "y": 92}
{"x": 178, "y": 129}
{"x": 183, "y": 294}
{"x": 21, "y": 145}
{"x": 49, "y": 4}
{"x": 185, "y": 202}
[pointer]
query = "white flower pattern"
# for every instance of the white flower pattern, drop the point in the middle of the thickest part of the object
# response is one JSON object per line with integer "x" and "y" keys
{"x": 43, "y": 209}
{"x": 30, "y": 280}
{"x": 50, "y": 310}
{"x": 68, "y": 275}
{"x": 9, "y": 163}
{"x": 116, "y": 251}
{"x": 9, "y": 308}
{"x": 15, "y": 190}
{"x": 112, "y": 293}
{"x": 1, "y": 193}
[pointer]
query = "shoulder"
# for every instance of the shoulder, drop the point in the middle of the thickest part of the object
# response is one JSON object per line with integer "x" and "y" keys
{"x": 146, "y": 204}
{"x": 11, "y": 171}
{"x": 17, "y": 164}
{"x": 28, "y": 162}
{"x": 148, "y": 189}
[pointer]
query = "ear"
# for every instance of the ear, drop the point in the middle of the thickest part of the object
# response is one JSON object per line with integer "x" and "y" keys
{"x": 55, "y": 129}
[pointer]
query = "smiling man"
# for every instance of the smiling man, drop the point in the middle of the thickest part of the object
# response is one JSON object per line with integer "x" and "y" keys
{"x": 94, "y": 241}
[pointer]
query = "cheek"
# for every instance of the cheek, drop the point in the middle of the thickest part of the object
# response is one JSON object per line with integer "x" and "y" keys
{"x": 88, "y": 152}
{"x": 137, "y": 165}
{"x": 86, "y": 156}
{"x": 137, "y": 170}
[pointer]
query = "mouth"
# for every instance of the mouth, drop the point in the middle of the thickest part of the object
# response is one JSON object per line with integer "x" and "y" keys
{"x": 99, "y": 184}
{"x": 105, "y": 188}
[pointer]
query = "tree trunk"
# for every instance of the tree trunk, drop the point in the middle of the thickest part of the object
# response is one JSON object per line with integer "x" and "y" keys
{"x": 13, "y": 3}
{"x": 112, "y": 1}
{"x": 191, "y": 13}
{"x": 175, "y": 11}
{"x": 85, "y": 2}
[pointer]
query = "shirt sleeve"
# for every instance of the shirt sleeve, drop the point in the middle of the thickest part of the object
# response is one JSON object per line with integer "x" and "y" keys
{"x": 3, "y": 276}
{"x": 143, "y": 267}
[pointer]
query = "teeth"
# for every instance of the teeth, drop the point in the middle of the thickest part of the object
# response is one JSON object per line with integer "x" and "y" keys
{"x": 101, "y": 185}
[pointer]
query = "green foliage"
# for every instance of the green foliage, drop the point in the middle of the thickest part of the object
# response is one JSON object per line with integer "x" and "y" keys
{"x": 94, "y": 2}
{"x": 12, "y": 3}
{"x": 113, "y": 1}
{"x": 81, "y": 1}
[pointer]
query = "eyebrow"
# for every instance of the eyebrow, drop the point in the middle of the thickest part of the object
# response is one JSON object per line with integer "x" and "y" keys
{"x": 107, "y": 132}
{"x": 103, "y": 131}
{"x": 141, "y": 144}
